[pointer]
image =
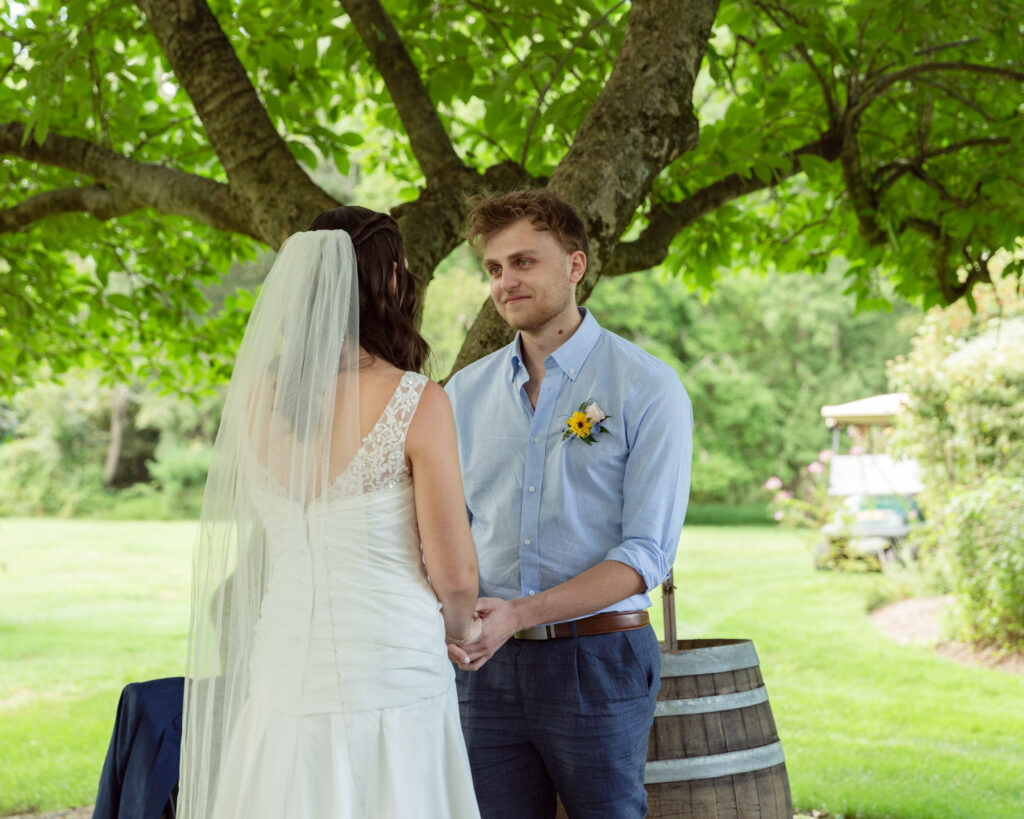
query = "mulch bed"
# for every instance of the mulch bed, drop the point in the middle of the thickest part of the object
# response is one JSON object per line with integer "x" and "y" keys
{"x": 918, "y": 621}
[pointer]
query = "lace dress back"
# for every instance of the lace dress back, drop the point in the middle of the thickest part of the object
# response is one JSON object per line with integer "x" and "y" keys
{"x": 381, "y": 459}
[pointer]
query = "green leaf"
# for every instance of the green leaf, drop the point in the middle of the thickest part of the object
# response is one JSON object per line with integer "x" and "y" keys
{"x": 763, "y": 171}
{"x": 303, "y": 153}
{"x": 815, "y": 167}
{"x": 351, "y": 138}
{"x": 121, "y": 302}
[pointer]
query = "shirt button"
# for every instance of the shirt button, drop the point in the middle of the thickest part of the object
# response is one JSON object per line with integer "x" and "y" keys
{"x": 532, "y": 594}
{"x": 536, "y": 440}
{"x": 527, "y": 542}
{"x": 533, "y": 489}
{"x": 572, "y": 372}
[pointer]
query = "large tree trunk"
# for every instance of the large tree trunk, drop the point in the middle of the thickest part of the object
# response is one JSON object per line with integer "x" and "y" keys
{"x": 118, "y": 416}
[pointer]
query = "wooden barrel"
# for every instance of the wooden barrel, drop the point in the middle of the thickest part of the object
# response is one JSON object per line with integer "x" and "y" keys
{"x": 713, "y": 749}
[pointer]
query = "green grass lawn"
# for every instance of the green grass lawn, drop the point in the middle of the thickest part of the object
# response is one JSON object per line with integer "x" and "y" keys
{"x": 870, "y": 728}
{"x": 85, "y": 607}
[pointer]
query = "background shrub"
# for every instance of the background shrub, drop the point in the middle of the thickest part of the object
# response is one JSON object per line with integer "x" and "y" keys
{"x": 179, "y": 473}
{"x": 982, "y": 534}
{"x": 58, "y": 440}
{"x": 965, "y": 425}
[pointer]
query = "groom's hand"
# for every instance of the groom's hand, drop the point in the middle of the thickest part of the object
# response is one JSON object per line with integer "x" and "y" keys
{"x": 500, "y": 623}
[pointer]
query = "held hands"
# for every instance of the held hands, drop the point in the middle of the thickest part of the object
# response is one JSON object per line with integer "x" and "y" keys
{"x": 456, "y": 652}
{"x": 498, "y": 622}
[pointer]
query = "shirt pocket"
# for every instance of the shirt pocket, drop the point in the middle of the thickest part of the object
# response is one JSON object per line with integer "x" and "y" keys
{"x": 601, "y": 463}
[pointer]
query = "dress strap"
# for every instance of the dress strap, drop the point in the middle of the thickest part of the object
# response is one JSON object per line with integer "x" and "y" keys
{"x": 406, "y": 401}
{"x": 384, "y": 448}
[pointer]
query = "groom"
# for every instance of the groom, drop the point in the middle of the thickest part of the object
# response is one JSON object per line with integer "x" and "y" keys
{"x": 575, "y": 449}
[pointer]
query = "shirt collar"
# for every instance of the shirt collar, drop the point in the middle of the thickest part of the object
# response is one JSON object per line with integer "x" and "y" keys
{"x": 571, "y": 356}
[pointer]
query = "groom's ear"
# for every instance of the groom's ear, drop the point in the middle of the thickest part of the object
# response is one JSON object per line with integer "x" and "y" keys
{"x": 578, "y": 261}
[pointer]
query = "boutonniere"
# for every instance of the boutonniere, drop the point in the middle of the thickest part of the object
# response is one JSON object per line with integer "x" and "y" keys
{"x": 586, "y": 422}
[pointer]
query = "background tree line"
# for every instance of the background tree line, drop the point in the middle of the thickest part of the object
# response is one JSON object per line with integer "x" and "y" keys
{"x": 758, "y": 364}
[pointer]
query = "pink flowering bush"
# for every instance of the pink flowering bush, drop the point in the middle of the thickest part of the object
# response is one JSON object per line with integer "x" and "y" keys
{"x": 808, "y": 504}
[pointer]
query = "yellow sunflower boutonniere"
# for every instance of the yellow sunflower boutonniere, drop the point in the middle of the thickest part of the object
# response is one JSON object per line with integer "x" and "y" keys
{"x": 586, "y": 423}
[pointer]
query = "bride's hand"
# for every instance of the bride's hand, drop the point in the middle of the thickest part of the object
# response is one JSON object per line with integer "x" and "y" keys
{"x": 476, "y": 629}
{"x": 456, "y": 652}
{"x": 498, "y": 621}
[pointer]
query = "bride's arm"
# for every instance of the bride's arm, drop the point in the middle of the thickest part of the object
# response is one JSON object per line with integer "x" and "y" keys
{"x": 448, "y": 550}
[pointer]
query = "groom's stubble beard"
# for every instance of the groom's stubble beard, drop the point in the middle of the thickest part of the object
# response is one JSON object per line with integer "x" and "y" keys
{"x": 539, "y": 310}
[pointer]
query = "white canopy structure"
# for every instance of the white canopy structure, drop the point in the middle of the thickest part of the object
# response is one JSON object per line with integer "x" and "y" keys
{"x": 876, "y": 410}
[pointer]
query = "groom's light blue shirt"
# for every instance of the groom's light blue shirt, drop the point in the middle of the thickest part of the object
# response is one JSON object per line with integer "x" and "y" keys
{"x": 543, "y": 509}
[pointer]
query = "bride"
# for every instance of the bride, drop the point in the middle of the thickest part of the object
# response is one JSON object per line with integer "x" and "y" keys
{"x": 334, "y": 558}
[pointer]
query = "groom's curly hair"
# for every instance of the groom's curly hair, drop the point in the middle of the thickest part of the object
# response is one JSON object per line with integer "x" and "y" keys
{"x": 545, "y": 210}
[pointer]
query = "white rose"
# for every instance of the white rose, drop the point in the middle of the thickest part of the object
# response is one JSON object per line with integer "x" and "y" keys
{"x": 595, "y": 414}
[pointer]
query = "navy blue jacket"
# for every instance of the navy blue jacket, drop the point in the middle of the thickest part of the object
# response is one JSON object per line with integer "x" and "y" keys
{"x": 141, "y": 769}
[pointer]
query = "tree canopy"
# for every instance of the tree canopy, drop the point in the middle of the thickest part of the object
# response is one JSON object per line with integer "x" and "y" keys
{"x": 146, "y": 146}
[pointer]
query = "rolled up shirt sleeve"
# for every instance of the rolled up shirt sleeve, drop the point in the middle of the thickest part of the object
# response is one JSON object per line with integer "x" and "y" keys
{"x": 656, "y": 481}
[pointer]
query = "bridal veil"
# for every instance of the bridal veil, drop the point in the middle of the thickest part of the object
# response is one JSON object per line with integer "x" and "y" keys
{"x": 290, "y": 427}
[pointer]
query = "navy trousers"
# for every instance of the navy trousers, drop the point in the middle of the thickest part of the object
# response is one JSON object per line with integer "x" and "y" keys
{"x": 569, "y": 716}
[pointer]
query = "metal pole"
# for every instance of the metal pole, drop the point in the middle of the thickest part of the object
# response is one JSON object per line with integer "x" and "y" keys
{"x": 668, "y": 601}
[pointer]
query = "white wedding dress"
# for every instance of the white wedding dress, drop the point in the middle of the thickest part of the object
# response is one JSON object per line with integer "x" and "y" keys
{"x": 351, "y": 710}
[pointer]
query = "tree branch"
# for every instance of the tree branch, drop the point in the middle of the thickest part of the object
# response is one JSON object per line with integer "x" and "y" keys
{"x": 946, "y": 275}
{"x": 877, "y": 85}
{"x": 279, "y": 195}
{"x": 164, "y": 189}
{"x": 863, "y": 196}
{"x": 943, "y": 46}
{"x": 826, "y": 88}
{"x": 923, "y": 226}
{"x": 667, "y": 219}
{"x": 805, "y": 53}
{"x": 885, "y": 175}
{"x": 95, "y": 200}
{"x": 486, "y": 14}
{"x": 558, "y": 70}
{"x": 785, "y": 240}
{"x": 18, "y": 51}
{"x": 430, "y": 142}
{"x": 944, "y": 193}
{"x": 964, "y": 101}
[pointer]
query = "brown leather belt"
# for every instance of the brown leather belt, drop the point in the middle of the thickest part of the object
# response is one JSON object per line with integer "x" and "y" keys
{"x": 607, "y": 623}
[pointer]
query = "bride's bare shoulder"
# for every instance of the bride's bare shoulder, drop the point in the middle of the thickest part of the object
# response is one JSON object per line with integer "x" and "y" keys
{"x": 433, "y": 420}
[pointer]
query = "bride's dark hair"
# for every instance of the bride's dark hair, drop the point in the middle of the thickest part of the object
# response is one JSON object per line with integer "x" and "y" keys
{"x": 388, "y": 297}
